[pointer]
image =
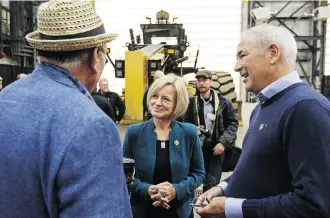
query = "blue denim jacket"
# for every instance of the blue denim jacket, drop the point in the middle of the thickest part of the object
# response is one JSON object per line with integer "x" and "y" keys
{"x": 60, "y": 155}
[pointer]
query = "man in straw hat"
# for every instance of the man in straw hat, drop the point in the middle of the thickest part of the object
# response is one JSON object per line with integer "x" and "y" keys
{"x": 60, "y": 154}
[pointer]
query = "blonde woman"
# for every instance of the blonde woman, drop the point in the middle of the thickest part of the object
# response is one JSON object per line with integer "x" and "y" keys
{"x": 168, "y": 157}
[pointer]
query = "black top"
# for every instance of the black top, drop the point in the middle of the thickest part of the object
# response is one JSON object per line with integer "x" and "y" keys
{"x": 144, "y": 101}
{"x": 117, "y": 104}
{"x": 162, "y": 173}
{"x": 104, "y": 104}
{"x": 145, "y": 106}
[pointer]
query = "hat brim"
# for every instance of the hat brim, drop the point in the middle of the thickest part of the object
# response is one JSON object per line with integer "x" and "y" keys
{"x": 68, "y": 44}
{"x": 202, "y": 76}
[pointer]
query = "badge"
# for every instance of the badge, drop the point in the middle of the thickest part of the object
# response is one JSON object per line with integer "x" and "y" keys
{"x": 210, "y": 116}
{"x": 261, "y": 127}
{"x": 176, "y": 142}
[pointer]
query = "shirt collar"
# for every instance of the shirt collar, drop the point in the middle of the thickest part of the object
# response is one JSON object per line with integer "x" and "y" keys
{"x": 210, "y": 99}
{"x": 74, "y": 80}
{"x": 279, "y": 85}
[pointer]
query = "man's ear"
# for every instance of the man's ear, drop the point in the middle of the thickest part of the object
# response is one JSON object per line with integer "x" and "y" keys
{"x": 94, "y": 60}
{"x": 274, "y": 53}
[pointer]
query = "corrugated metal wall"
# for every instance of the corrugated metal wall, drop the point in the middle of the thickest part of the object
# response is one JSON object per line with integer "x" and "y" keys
{"x": 213, "y": 26}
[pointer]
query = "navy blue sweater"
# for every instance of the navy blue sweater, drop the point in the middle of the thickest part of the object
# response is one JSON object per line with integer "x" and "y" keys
{"x": 284, "y": 169}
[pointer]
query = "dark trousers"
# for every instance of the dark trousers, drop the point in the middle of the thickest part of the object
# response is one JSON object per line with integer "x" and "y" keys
{"x": 213, "y": 167}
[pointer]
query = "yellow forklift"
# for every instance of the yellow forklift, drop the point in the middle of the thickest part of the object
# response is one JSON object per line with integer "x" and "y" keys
{"x": 163, "y": 48}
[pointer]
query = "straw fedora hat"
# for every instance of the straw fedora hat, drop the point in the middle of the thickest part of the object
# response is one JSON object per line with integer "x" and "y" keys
{"x": 67, "y": 25}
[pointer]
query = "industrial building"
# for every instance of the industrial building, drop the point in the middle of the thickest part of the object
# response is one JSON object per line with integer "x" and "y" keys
{"x": 179, "y": 37}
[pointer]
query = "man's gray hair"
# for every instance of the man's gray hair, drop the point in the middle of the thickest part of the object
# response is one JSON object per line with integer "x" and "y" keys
{"x": 266, "y": 35}
{"x": 21, "y": 76}
{"x": 158, "y": 74}
{"x": 103, "y": 80}
{"x": 69, "y": 59}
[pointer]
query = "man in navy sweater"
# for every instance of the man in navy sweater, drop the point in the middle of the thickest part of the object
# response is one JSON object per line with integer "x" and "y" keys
{"x": 284, "y": 169}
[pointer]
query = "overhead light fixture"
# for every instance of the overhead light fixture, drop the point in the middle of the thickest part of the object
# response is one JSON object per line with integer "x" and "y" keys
{"x": 119, "y": 68}
{"x": 182, "y": 48}
{"x": 261, "y": 13}
{"x": 162, "y": 15}
{"x": 321, "y": 13}
{"x": 119, "y": 64}
{"x": 152, "y": 73}
{"x": 153, "y": 65}
{"x": 170, "y": 51}
{"x": 120, "y": 74}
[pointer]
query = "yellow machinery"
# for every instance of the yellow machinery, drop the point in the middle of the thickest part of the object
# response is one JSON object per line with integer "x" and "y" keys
{"x": 163, "y": 49}
{"x": 138, "y": 67}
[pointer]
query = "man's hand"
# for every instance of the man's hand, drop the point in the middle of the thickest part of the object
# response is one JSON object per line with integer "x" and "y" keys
{"x": 198, "y": 130}
{"x": 209, "y": 195}
{"x": 216, "y": 208}
{"x": 218, "y": 149}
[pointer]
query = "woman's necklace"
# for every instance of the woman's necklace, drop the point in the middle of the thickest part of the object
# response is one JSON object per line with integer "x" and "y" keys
{"x": 162, "y": 144}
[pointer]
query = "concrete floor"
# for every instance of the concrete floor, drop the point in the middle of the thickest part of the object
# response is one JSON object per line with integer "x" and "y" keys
{"x": 246, "y": 112}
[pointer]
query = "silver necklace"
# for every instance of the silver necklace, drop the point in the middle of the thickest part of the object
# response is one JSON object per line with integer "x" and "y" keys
{"x": 162, "y": 144}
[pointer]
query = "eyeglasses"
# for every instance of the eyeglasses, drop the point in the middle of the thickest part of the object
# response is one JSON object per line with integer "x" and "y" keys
{"x": 105, "y": 56}
{"x": 164, "y": 101}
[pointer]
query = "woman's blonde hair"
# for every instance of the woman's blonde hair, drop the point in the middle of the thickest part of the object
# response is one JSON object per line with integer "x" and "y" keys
{"x": 182, "y": 99}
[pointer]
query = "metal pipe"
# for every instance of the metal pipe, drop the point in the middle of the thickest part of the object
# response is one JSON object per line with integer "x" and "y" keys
{"x": 303, "y": 70}
{"x": 279, "y": 11}
{"x": 298, "y": 9}
{"x": 322, "y": 49}
{"x": 111, "y": 61}
{"x": 281, "y": 22}
{"x": 132, "y": 36}
{"x": 259, "y": 3}
{"x": 196, "y": 59}
{"x": 1, "y": 45}
{"x": 165, "y": 62}
{"x": 314, "y": 52}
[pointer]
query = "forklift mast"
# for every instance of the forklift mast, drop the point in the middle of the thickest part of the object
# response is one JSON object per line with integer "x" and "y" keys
{"x": 173, "y": 36}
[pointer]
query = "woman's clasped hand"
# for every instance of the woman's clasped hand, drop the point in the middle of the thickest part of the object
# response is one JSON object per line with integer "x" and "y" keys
{"x": 162, "y": 194}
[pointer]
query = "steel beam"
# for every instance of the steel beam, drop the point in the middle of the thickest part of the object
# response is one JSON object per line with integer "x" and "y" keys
{"x": 315, "y": 42}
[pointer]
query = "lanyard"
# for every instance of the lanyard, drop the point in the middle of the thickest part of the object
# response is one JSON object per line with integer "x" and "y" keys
{"x": 198, "y": 119}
